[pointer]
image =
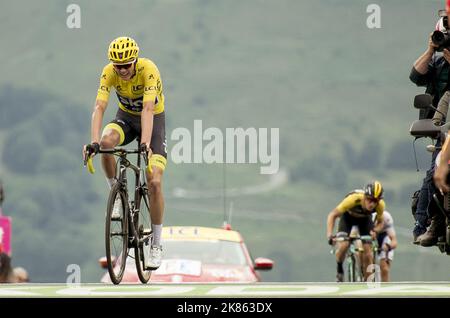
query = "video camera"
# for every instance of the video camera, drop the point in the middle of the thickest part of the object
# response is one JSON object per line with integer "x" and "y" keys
{"x": 441, "y": 36}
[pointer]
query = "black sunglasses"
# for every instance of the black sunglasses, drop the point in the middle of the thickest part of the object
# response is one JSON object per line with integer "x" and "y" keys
{"x": 121, "y": 66}
{"x": 373, "y": 200}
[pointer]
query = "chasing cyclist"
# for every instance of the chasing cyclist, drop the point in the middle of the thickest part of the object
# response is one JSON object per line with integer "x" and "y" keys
{"x": 356, "y": 210}
{"x": 387, "y": 242}
{"x": 138, "y": 86}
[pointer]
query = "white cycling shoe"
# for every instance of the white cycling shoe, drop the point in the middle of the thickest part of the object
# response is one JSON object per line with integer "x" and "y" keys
{"x": 117, "y": 209}
{"x": 154, "y": 261}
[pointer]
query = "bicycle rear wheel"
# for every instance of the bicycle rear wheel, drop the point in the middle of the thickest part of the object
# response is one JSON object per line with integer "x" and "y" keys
{"x": 142, "y": 231}
{"x": 116, "y": 234}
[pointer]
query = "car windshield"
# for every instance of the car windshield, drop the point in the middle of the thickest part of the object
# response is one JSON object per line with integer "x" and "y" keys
{"x": 208, "y": 252}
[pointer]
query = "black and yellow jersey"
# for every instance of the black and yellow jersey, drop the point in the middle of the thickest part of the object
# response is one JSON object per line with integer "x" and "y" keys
{"x": 352, "y": 204}
{"x": 145, "y": 85}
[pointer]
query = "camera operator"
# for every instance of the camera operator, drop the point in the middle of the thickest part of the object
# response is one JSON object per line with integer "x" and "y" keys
{"x": 431, "y": 69}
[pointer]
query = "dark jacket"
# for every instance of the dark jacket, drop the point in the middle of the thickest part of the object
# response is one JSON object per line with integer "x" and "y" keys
{"x": 436, "y": 80}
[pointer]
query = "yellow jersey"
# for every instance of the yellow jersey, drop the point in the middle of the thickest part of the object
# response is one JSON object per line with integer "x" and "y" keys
{"x": 352, "y": 205}
{"x": 145, "y": 85}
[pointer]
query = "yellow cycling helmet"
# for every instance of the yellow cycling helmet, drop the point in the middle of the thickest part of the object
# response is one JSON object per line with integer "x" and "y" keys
{"x": 374, "y": 190}
{"x": 123, "y": 50}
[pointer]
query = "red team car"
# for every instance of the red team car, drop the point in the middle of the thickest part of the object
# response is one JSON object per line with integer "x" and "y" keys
{"x": 200, "y": 254}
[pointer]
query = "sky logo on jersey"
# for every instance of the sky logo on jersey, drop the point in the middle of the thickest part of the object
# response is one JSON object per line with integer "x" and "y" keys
{"x": 134, "y": 105}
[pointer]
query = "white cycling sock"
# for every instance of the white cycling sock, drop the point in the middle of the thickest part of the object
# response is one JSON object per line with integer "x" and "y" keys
{"x": 156, "y": 229}
{"x": 111, "y": 182}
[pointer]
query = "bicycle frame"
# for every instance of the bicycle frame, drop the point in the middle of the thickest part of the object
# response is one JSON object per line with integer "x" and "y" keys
{"x": 141, "y": 186}
{"x": 353, "y": 256}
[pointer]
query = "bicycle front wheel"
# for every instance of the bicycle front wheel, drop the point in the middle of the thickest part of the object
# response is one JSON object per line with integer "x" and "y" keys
{"x": 142, "y": 231}
{"x": 359, "y": 274}
{"x": 351, "y": 268}
{"x": 116, "y": 233}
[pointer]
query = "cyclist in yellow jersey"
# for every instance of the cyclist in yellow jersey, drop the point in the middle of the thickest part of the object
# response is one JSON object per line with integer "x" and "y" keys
{"x": 137, "y": 83}
{"x": 356, "y": 210}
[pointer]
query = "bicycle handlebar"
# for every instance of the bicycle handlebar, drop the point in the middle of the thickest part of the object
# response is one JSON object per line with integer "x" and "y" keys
{"x": 90, "y": 165}
{"x": 117, "y": 152}
{"x": 354, "y": 238}
{"x": 366, "y": 238}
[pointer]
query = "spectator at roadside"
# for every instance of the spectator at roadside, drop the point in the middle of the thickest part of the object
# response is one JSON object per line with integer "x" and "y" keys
{"x": 21, "y": 275}
{"x": 9, "y": 274}
{"x": 6, "y": 271}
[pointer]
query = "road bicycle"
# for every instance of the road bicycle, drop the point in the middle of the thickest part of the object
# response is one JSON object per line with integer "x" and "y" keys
{"x": 131, "y": 227}
{"x": 353, "y": 258}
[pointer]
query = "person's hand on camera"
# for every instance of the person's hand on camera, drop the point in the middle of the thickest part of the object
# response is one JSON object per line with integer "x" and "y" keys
{"x": 446, "y": 55}
{"x": 431, "y": 46}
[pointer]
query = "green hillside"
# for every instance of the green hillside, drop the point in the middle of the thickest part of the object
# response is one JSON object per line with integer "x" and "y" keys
{"x": 338, "y": 92}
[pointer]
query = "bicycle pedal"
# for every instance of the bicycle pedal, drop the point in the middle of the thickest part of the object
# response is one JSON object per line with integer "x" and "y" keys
{"x": 147, "y": 232}
{"x": 148, "y": 268}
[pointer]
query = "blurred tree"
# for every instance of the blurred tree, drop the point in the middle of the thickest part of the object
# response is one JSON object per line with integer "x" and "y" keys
{"x": 324, "y": 168}
{"x": 19, "y": 104}
{"x": 23, "y": 149}
{"x": 401, "y": 156}
{"x": 370, "y": 156}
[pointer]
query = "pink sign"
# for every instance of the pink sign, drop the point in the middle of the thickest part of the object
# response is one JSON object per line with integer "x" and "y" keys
{"x": 5, "y": 234}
